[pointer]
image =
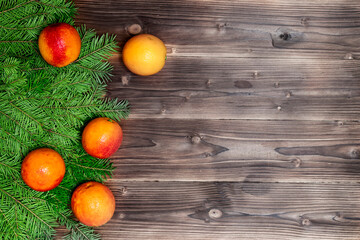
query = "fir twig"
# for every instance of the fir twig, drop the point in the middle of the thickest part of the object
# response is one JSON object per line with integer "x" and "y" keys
{"x": 17, "y": 6}
{"x": 11, "y": 226}
{"x": 44, "y": 106}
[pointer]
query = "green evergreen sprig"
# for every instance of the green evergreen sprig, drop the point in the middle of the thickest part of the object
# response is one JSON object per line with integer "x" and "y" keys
{"x": 22, "y": 20}
{"x": 45, "y": 106}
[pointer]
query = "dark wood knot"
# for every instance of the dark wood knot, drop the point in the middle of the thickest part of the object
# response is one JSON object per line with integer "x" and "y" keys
{"x": 163, "y": 110}
{"x": 355, "y": 153}
{"x": 285, "y": 36}
{"x": 195, "y": 139}
{"x": 134, "y": 29}
{"x": 304, "y": 21}
{"x": 338, "y": 217}
{"x": 296, "y": 162}
{"x": 207, "y": 154}
{"x": 221, "y": 26}
{"x": 123, "y": 190}
{"x": 340, "y": 123}
{"x": 125, "y": 80}
{"x": 244, "y": 84}
{"x": 306, "y": 222}
{"x": 208, "y": 83}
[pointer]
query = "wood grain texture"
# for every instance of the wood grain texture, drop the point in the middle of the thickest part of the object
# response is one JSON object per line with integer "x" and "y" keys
{"x": 318, "y": 25}
{"x": 298, "y": 60}
{"x": 227, "y": 210}
{"x": 251, "y": 130}
{"x": 234, "y": 150}
{"x": 232, "y": 88}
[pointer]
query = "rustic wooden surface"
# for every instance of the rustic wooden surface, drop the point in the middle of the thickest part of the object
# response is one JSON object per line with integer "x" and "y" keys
{"x": 251, "y": 131}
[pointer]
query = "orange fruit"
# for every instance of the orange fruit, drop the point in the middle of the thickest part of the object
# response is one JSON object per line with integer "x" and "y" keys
{"x": 144, "y": 54}
{"x": 93, "y": 204}
{"x": 59, "y": 44}
{"x": 43, "y": 169}
{"x": 102, "y": 137}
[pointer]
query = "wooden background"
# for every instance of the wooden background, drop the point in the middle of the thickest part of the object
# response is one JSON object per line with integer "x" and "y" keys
{"x": 251, "y": 131}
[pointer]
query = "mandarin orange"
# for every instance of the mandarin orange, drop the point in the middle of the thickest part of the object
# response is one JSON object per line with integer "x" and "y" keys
{"x": 93, "y": 204}
{"x": 102, "y": 137}
{"x": 43, "y": 169}
{"x": 59, "y": 44}
{"x": 144, "y": 54}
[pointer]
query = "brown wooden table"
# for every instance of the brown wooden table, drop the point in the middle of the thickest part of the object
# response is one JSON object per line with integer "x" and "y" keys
{"x": 251, "y": 131}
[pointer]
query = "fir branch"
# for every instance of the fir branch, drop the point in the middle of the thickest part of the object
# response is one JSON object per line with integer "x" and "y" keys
{"x": 63, "y": 135}
{"x": 33, "y": 15}
{"x": 17, "y": 6}
{"x": 32, "y": 118}
{"x": 10, "y": 135}
{"x": 94, "y": 70}
{"x": 52, "y": 5}
{"x": 92, "y": 168}
{"x": 24, "y": 128}
{"x": 77, "y": 230}
{"x": 71, "y": 175}
{"x": 11, "y": 226}
{"x": 35, "y": 69}
{"x": 31, "y": 212}
{"x": 69, "y": 107}
{"x": 16, "y": 41}
{"x": 13, "y": 171}
{"x": 45, "y": 106}
{"x": 106, "y": 46}
{"x": 69, "y": 190}
{"x": 21, "y": 29}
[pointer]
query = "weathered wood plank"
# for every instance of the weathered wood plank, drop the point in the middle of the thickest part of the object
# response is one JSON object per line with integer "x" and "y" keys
{"x": 245, "y": 210}
{"x": 205, "y": 25}
{"x": 235, "y": 150}
{"x": 211, "y": 74}
{"x": 243, "y": 89}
